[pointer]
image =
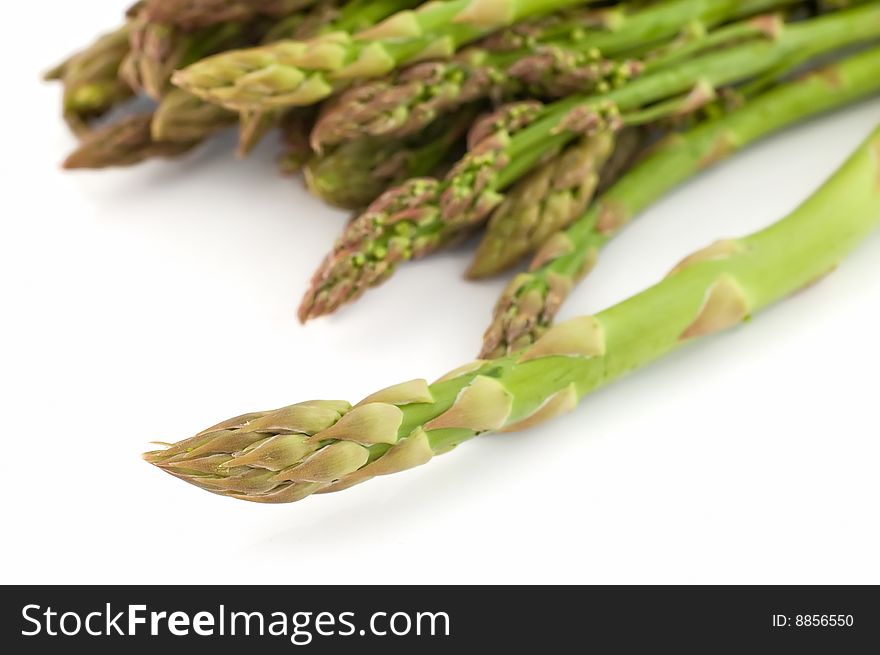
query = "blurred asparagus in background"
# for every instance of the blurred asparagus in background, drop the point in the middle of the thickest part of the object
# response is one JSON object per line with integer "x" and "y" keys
{"x": 570, "y": 94}
{"x": 579, "y": 51}
{"x": 427, "y": 214}
{"x": 126, "y": 142}
{"x": 92, "y": 85}
{"x": 150, "y": 51}
{"x": 302, "y": 73}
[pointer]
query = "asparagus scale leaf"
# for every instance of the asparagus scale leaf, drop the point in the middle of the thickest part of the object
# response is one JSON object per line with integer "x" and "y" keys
{"x": 320, "y": 447}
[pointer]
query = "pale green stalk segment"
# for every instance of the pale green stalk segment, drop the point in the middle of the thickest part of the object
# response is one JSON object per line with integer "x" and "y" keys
{"x": 284, "y": 456}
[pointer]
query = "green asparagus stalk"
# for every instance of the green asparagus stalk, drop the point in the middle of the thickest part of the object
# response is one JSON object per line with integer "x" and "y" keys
{"x": 530, "y": 303}
{"x": 543, "y": 203}
{"x": 191, "y": 15}
{"x": 292, "y": 73}
{"x": 320, "y": 447}
{"x": 426, "y": 214}
{"x": 357, "y": 172}
{"x": 92, "y": 86}
{"x": 546, "y": 58}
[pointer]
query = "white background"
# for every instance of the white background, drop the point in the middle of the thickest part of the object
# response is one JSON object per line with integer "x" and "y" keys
{"x": 148, "y": 303}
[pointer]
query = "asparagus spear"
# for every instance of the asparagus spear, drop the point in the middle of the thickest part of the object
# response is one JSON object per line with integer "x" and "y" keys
{"x": 292, "y": 73}
{"x": 157, "y": 50}
{"x": 319, "y": 447}
{"x": 542, "y": 203}
{"x": 552, "y": 197}
{"x": 572, "y": 54}
{"x": 124, "y": 143}
{"x": 92, "y": 86}
{"x": 530, "y": 303}
{"x": 542, "y": 210}
{"x": 324, "y": 18}
{"x": 183, "y": 118}
{"x": 356, "y": 173}
{"x": 426, "y": 214}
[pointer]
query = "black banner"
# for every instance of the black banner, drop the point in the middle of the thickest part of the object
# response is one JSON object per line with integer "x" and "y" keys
{"x": 438, "y": 619}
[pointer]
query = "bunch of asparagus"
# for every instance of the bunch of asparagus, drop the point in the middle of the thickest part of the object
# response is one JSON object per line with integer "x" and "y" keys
{"x": 546, "y": 126}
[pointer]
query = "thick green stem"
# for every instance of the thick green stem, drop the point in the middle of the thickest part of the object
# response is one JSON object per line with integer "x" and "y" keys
{"x": 765, "y": 268}
{"x": 530, "y": 304}
{"x": 319, "y": 447}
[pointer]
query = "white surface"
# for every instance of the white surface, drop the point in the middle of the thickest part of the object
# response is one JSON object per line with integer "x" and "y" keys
{"x": 148, "y": 303}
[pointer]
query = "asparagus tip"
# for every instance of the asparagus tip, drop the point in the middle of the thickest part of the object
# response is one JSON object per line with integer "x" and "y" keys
{"x": 478, "y": 270}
